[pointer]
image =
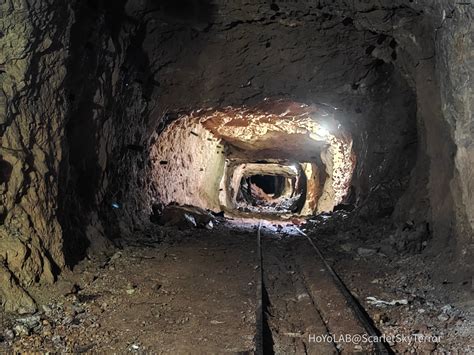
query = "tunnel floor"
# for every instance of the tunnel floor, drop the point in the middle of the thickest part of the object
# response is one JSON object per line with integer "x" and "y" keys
{"x": 194, "y": 290}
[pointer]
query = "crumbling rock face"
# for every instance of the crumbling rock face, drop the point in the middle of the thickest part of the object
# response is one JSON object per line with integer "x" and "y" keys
{"x": 188, "y": 164}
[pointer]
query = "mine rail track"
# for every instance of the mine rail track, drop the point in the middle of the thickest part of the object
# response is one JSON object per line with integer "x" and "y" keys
{"x": 293, "y": 299}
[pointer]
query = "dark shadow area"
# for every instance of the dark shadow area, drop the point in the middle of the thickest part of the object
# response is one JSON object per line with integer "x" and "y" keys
{"x": 5, "y": 171}
{"x": 270, "y": 184}
{"x": 80, "y": 172}
{"x": 268, "y": 342}
{"x": 191, "y": 11}
{"x": 5, "y": 174}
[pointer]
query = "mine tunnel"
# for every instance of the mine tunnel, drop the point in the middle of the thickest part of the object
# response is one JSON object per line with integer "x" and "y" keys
{"x": 219, "y": 176}
{"x": 221, "y": 160}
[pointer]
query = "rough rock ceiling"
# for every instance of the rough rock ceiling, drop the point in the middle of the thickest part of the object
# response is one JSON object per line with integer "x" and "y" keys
{"x": 274, "y": 130}
{"x": 269, "y": 169}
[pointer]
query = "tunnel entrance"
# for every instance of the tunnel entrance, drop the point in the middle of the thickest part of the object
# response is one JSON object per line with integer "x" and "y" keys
{"x": 279, "y": 157}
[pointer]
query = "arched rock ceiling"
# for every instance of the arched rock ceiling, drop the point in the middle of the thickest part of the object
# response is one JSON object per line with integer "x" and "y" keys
{"x": 274, "y": 130}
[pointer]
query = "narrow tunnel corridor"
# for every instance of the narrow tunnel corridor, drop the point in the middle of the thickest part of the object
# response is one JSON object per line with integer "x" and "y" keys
{"x": 216, "y": 176}
{"x": 206, "y": 158}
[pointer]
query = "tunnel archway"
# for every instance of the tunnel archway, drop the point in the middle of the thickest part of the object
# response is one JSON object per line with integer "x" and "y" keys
{"x": 203, "y": 158}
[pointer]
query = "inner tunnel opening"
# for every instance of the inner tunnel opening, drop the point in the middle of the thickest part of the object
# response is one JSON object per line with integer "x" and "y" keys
{"x": 271, "y": 185}
{"x": 271, "y": 193}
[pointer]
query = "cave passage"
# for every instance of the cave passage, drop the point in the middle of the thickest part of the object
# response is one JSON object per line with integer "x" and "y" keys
{"x": 170, "y": 168}
{"x": 272, "y": 193}
{"x": 278, "y": 157}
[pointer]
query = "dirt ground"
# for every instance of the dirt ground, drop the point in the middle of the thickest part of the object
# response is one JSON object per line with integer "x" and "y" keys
{"x": 194, "y": 291}
{"x": 394, "y": 263}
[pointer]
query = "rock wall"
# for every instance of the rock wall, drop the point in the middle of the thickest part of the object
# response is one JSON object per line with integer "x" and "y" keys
{"x": 455, "y": 65}
{"x": 314, "y": 189}
{"x": 73, "y": 110}
{"x": 108, "y": 90}
{"x": 437, "y": 59}
{"x": 32, "y": 127}
{"x": 188, "y": 165}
